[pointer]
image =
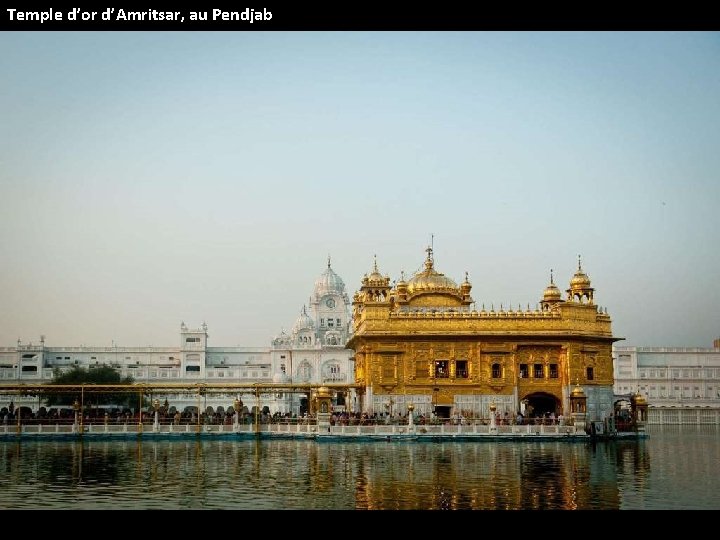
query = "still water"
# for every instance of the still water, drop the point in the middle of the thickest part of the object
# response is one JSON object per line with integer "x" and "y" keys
{"x": 676, "y": 468}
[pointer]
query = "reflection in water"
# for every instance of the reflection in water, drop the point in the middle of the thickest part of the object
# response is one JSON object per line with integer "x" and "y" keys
{"x": 285, "y": 474}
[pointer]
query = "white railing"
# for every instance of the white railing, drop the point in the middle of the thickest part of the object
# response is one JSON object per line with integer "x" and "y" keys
{"x": 690, "y": 416}
{"x": 381, "y": 430}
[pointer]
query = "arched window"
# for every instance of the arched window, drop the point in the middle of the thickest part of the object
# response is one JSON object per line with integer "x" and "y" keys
{"x": 305, "y": 371}
{"x": 496, "y": 371}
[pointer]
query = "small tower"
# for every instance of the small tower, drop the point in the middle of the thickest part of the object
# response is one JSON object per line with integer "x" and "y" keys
{"x": 551, "y": 296}
{"x": 193, "y": 347}
{"x": 402, "y": 289}
{"x": 580, "y": 289}
{"x": 639, "y": 407}
{"x": 465, "y": 288}
{"x": 578, "y": 407}
{"x": 303, "y": 332}
{"x": 323, "y": 404}
{"x": 375, "y": 287}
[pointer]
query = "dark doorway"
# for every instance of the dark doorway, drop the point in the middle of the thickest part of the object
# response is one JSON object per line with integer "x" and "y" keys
{"x": 442, "y": 411}
{"x": 540, "y": 404}
{"x": 303, "y": 406}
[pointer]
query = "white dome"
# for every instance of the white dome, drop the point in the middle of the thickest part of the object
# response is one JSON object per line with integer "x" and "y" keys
{"x": 304, "y": 322}
{"x": 329, "y": 282}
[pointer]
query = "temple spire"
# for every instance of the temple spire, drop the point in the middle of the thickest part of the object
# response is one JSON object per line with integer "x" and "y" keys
{"x": 429, "y": 261}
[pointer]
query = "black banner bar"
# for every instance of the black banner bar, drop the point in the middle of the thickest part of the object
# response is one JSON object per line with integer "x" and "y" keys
{"x": 352, "y": 18}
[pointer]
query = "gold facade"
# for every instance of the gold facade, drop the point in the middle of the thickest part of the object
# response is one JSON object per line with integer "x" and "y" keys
{"x": 424, "y": 341}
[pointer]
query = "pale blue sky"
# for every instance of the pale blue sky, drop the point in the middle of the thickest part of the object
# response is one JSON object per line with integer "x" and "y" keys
{"x": 150, "y": 178}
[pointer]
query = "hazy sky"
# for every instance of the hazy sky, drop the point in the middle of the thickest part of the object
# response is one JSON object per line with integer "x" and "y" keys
{"x": 151, "y": 178}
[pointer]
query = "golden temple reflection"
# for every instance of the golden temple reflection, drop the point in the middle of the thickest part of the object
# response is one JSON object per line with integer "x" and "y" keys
{"x": 278, "y": 473}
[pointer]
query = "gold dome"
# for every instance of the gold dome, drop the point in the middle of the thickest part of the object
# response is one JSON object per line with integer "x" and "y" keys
{"x": 430, "y": 279}
{"x": 552, "y": 293}
{"x": 375, "y": 279}
{"x": 638, "y": 399}
{"x": 577, "y": 392}
{"x": 376, "y": 275}
{"x": 580, "y": 280}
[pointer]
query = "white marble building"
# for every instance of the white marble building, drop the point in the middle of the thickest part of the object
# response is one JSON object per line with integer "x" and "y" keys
{"x": 314, "y": 352}
{"x": 682, "y": 385}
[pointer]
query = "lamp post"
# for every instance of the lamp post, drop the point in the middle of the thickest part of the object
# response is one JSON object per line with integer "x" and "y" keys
{"x": 156, "y": 406}
{"x": 76, "y": 408}
{"x": 493, "y": 423}
{"x": 388, "y": 410}
{"x": 237, "y": 405}
{"x": 411, "y": 420}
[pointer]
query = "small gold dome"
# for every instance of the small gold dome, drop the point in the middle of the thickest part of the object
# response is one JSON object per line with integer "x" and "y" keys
{"x": 375, "y": 275}
{"x": 577, "y": 392}
{"x": 323, "y": 392}
{"x": 638, "y": 399}
{"x": 580, "y": 280}
{"x": 552, "y": 293}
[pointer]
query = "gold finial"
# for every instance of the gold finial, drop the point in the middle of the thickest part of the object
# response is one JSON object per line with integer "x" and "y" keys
{"x": 552, "y": 282}
{"x": 375, "y": 267}
{"x": 402, "y": 275}
{"x": 429, "y": 261}
{"x": 467, "y": 277}
{"x": 579, "y": 263}
{"x": 329, "y": 262}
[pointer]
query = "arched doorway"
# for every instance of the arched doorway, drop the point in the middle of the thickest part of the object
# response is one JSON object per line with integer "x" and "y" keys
{"x": 622, "y": 409}
{"x": 541, "y": 404}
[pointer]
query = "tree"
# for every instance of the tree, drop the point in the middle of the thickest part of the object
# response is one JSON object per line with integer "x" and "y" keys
{"x": 100, "y": 375}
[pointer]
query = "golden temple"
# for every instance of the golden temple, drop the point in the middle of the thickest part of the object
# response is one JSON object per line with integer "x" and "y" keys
{"x": 422, "y": 343}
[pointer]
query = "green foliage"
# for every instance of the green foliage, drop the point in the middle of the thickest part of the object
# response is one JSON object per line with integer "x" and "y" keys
{"x": 99, "y": 375}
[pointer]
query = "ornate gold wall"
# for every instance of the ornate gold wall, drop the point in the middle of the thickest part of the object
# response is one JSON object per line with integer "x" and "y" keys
{"x": 424, "y": 341}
